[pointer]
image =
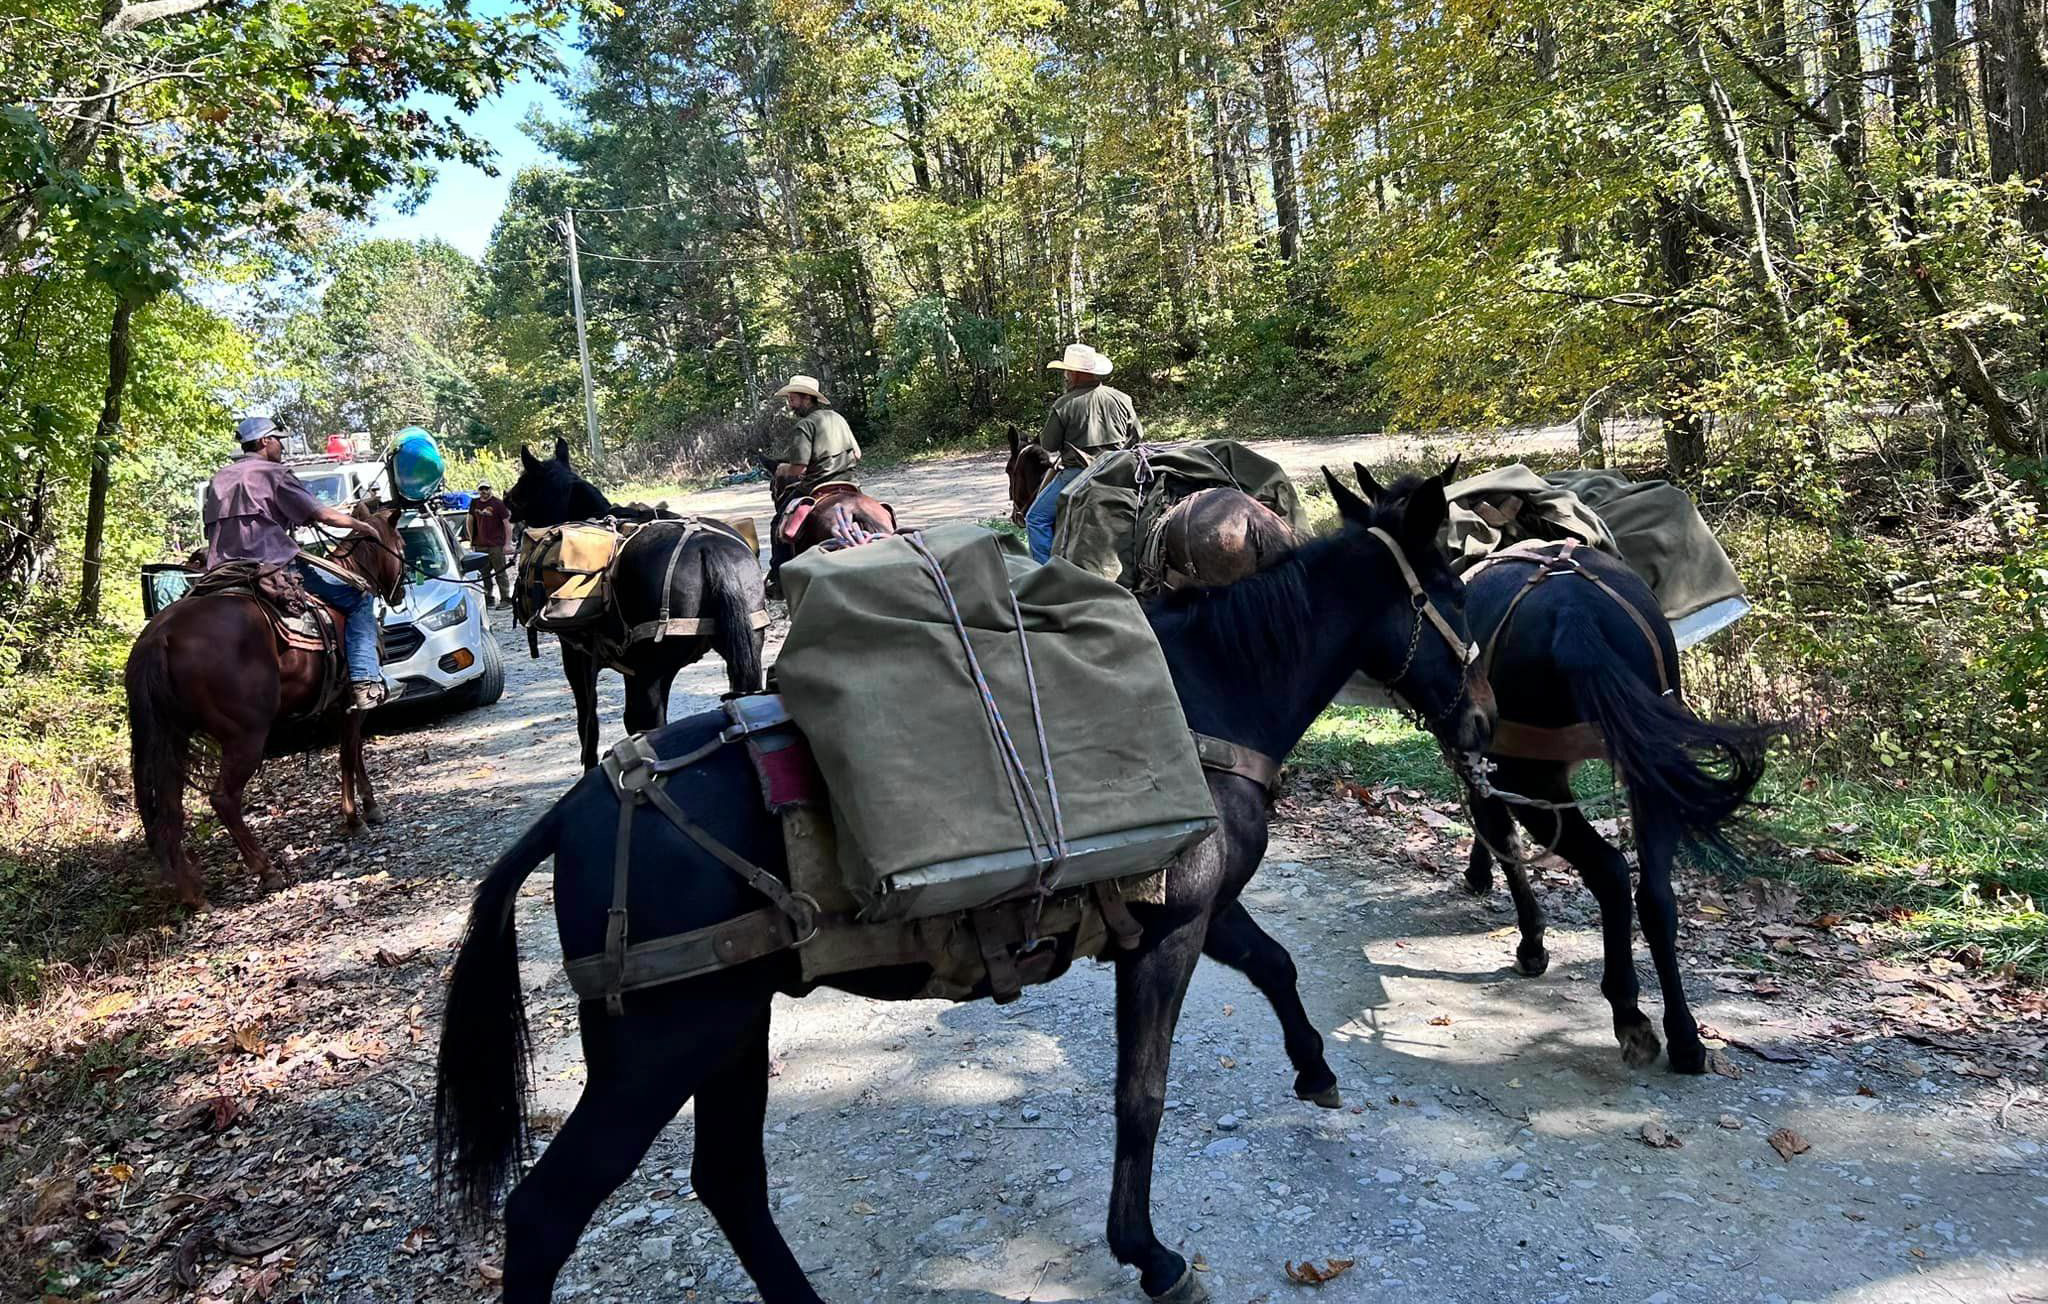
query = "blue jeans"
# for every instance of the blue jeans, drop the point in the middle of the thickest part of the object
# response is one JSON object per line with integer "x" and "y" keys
{"x": 359, "y": 635}
{"x": 1044, "y": 514}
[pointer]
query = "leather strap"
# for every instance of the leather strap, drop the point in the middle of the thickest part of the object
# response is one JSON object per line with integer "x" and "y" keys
{"x": 1464, "y": 651}
{"x": 1116, "y": 916}
{"x": 1235, "y": 758}
{"x": 1564, "y": 744}
{"x": 1561, "y": 562}
{"x": 681, "y": 626}
{"x": 686, "y": 955}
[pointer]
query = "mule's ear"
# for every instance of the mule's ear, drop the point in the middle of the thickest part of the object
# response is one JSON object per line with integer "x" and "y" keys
{"x": 1349, "y": 505}
{"x": 1425, "y": 514}
{"x": 1372, "y": 488}
{"x": 561, "y": 450}
{"x": 527, "y": 459}
{"x": 1010, "y": 429}
{"x": 391, "y": 515}
{"x": 1449, "y": 475}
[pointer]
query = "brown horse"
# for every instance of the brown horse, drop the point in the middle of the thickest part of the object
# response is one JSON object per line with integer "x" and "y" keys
{"x": 1030, "y": 463}
{"x": 841, "y": 516}
{"x": 1209, "y": 538}
{"x": 212, "y": 665}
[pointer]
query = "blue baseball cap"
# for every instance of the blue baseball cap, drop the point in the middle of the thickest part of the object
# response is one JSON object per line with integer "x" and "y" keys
{"x": 250, "y": 429}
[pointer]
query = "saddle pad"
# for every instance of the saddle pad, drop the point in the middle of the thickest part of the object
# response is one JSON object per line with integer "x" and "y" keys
{"x": 793, "y": 519}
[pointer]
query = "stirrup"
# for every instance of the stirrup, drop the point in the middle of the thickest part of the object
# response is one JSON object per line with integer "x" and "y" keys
{"x": 366, "y": 694}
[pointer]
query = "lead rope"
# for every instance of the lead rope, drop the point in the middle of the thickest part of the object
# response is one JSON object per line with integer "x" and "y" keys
{"x": 1038, "y": 828}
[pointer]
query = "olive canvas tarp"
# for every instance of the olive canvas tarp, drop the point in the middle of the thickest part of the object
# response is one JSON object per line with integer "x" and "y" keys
{"x": 1649, "y": 524}
{"x": 1108, "y": 512}
{"x": 931, "y": 815}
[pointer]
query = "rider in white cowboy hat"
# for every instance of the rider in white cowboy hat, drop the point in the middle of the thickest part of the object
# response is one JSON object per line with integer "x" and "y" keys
{"x": 822, "y": 449}
{"x": 1091, "y": 418}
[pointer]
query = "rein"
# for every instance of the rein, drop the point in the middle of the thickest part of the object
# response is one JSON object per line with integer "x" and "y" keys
{"x": 349, "y": 541}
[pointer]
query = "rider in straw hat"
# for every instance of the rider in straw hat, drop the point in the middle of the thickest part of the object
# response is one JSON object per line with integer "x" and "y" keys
{"x": 1091, "y": 418}
{"x": 823, "y": 449}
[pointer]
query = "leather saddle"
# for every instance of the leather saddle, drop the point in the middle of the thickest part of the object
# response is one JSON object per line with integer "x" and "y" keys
{"x": 297, "y": 618}
{"x": 797, "y": 509}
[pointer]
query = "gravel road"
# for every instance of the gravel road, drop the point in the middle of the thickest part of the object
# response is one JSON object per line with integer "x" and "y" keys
{"x": 1492, "y": 1146}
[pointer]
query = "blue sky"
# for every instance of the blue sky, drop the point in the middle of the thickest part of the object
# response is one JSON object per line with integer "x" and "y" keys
{"x": 465, "y": 201}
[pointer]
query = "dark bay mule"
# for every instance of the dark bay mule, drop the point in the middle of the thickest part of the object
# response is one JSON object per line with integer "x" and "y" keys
{"x": 1253, "y": 664}
{"x": 1567, "y": 658}
{"x": 716, "y": 577}
{"x": 211, "y": 665}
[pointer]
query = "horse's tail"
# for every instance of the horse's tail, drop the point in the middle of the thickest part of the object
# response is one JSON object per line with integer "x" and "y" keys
{"x": 159, "y": 741}
{"x": 480, "y": 1086}
{"x": 1678, "y": 767}
{"x": 735, "y": 586}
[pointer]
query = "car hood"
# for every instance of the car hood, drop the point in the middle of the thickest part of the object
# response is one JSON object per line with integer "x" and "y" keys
{"x": 421, "y": 597}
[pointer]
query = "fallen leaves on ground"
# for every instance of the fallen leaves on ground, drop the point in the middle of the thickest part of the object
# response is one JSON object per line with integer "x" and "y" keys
{"x": 1788, "y": 1143}
{"x": 1306, "y": 1273}
{"x": 1655, "y": 1135}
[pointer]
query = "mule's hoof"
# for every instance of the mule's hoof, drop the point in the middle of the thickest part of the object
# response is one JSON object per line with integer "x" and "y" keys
{"x": 1688, "y": 1059}
{"x": 1329, "y": 1097}
{"x": 274, "y": 882}
{"x": 1639, "y": 1045}
{"x": 374, "y": 817}
{"x": 1532, "y": 963}
{"x": 1479, "y": 882}
{"x": 1188, "y": 1290}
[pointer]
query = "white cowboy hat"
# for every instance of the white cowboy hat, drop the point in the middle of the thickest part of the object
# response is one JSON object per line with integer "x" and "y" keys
{"x": 1079, "y": 357}
{"x": 803, "y": 385}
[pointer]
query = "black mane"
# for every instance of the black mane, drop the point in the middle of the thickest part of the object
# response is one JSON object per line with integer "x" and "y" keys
{"x": 1269, "y": 614}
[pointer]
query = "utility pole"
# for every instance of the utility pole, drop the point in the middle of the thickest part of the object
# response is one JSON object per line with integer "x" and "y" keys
{"x": 582, "y": 339}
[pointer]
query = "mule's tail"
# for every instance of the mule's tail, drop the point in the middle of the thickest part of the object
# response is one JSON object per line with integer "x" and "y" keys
{"x": 737, "y": 588}
{"x": 480, "y": 1086}
{"x": 1677, "y": 766}
{"x": 159, "y": 742}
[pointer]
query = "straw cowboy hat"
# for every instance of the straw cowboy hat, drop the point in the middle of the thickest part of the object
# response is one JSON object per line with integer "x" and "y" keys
{"x": 1079, "y": 357}
{"x": 803, "y": 385}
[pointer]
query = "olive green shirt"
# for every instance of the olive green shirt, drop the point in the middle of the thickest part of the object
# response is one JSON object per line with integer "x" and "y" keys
{"x": 824, "y": 443}
{"x": 1087, "y": 422}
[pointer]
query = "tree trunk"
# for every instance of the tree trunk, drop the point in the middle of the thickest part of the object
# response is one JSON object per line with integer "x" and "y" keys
{"x": 2014, "y": 63}
{"x": 1733, "y": 152}
{"x": 1951, "y": 99}
{"x": 1903, "y": 63}
{"x": 1276, "y": 85}
{"x": 1685, "y": 433}
{"x": 106, "y": 436}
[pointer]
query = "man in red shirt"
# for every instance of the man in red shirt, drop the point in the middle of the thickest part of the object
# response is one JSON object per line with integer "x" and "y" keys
{"x": 490, "y": 528}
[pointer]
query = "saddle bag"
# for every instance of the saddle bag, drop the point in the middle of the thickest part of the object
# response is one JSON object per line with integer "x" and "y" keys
{"x": 565, "y": 575}
{"x": 987, "y": 729}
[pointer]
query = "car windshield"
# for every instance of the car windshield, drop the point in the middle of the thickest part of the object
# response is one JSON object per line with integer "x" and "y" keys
{"x": 330, "y": 488}
{"x": 426, "y": 549}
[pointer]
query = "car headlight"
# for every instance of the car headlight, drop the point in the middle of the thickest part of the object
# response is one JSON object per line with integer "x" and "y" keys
{"x": 446, "y": 615}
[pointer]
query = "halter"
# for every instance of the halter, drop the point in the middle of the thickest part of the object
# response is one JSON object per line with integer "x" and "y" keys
{"x": 1426, "y": 610}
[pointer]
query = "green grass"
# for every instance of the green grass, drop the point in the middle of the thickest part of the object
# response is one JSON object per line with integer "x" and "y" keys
{"x": 1945, "y": 870}
{"x": 70, "y": 880}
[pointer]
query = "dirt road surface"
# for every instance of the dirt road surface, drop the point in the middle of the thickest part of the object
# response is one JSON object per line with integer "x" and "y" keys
{"x": 260, "y": 1089}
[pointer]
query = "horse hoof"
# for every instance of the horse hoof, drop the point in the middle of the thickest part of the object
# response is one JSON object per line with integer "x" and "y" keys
{"x": 1480, "y": 883}
{"x": 1327, "y": 1098}
{"x": 1639, "y": 1045}
{"x": 1188, "y": 1290}
{"x": 374, "y": 818}
{"x": 1532, "y": 964}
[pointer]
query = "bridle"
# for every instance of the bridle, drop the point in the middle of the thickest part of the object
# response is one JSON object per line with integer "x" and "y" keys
{"x": 350, "y": 541}
{"x": 1425, "y": 609}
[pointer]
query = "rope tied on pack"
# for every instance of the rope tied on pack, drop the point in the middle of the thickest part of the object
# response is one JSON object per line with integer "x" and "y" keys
{"x": 1042, "y": 828}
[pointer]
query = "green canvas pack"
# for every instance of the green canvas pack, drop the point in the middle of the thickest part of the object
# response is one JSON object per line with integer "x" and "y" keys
{"x": 1108, "y": 512}
{"x": 930, "y": 813}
